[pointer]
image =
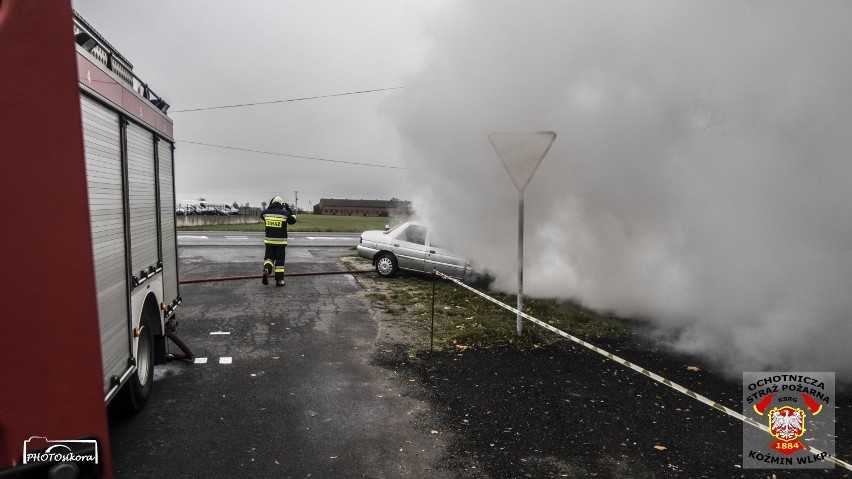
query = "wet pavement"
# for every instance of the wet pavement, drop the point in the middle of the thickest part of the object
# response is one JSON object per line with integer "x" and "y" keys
{"x": 283, "y": 384}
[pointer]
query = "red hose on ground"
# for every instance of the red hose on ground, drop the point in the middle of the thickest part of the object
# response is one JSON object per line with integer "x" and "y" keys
{"x": 187, "y": 354}
{"x": 257, "y": 276}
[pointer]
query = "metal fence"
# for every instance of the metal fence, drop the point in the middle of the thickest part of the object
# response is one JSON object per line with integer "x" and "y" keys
{"x": 246, "y": 216}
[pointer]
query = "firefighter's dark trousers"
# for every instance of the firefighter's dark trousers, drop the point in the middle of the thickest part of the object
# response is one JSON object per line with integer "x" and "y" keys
{"x": 274, "y": 260}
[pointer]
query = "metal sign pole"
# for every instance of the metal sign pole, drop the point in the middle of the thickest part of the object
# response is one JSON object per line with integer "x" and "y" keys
{"x": 521, "y": 154}
{"x": 520, "y": 323}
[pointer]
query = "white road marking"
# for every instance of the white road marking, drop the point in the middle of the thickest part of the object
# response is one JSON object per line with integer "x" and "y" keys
{"x": 236, "y": 237}
{"x": 220, "y": 332}
{"x": 200, "y": 360}
{"x": 225, "y": 360}
{"x": 191, "y": 237}
{"x": 330, "y": 237}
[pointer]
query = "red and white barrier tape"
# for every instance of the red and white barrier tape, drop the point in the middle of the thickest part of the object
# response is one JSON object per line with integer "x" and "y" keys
{"x": 639, "y": 369}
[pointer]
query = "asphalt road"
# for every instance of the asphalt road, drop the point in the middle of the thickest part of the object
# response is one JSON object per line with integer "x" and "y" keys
{"x": 284, "y": 383}
{"x": 237, "y": 238}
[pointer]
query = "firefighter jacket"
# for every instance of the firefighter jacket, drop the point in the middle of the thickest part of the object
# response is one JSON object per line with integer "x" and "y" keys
{"x": 276, "y": 219}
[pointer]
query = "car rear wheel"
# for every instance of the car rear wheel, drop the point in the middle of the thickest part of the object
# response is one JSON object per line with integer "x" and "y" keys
{"x": 386, "y": 265}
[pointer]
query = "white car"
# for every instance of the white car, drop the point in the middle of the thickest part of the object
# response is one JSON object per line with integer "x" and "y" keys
{"x": 410, "y": 246}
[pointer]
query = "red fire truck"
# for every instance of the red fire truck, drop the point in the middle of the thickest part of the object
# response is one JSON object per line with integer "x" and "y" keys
{"x": 129, "y": 146}
{"x": 89, "y": 252}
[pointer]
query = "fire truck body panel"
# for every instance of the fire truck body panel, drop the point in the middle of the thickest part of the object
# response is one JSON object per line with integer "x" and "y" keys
{"x": 130, "y": 177}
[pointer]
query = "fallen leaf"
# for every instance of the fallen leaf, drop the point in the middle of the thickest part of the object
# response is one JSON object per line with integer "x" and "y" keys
{"x": 693, "y": 368}
{"x": 660, "y": 448}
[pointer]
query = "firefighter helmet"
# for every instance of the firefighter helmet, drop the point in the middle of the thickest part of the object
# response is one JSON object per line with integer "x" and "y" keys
{"x": 278, "y": 200}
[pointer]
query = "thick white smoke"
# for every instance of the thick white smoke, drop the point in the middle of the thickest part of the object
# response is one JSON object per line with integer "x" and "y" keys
{"x": 700, "y": 179}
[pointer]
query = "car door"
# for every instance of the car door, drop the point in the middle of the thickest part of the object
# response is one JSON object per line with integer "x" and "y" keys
{"x": 409, "y": 246}
{"x": 442, "y": 259}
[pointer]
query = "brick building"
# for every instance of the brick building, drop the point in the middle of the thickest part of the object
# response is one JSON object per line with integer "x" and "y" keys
{"x": 347, "y": 207}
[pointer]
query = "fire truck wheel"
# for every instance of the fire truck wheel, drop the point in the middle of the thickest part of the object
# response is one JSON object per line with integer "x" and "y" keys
{"x": 134, "y": 395}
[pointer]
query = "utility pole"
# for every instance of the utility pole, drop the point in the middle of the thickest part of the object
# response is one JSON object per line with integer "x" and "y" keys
{"x": 296, "y": 204}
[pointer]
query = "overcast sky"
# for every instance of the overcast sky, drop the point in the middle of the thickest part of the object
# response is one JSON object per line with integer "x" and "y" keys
{"x": 207, "y": 53}
{"x": 700, "y": 178}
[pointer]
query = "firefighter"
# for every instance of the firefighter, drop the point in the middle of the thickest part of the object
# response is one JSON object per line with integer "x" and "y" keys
{"x": 277, "y": 217}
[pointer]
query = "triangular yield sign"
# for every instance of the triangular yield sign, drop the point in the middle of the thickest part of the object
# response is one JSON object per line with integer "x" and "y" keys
{"x": 521, "y": 153}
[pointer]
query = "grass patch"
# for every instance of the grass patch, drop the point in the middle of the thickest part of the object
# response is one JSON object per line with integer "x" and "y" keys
{"x": 313, "y": 223}
{"x": 464, "y": 320}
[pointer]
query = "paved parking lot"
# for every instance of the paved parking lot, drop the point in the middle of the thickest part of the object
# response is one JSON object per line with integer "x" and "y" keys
{"x": 284, "y": 384}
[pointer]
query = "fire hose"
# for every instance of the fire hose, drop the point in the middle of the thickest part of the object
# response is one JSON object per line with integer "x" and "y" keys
{"x": 186, "y": 353}
{"x": 258, "y": 276}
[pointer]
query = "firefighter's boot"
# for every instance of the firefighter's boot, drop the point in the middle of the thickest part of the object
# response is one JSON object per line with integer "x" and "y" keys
{"x": 279, "y": 282}
{"x": 267, "y": 270}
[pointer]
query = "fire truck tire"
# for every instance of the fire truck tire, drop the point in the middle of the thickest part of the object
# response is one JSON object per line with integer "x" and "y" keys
{"x": 134, "y": 395}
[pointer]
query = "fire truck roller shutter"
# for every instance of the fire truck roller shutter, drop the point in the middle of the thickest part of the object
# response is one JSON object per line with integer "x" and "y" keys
{"x": 102, "y": 141}
{"x": 143, "y": 199}
{"x": 167, "y": 219}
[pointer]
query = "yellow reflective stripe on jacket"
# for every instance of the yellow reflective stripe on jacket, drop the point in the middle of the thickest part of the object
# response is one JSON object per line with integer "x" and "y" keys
{"x": 275, "y": 241}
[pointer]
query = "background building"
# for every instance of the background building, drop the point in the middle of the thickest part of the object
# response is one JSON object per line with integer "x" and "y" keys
{"x": 347, "y": 207}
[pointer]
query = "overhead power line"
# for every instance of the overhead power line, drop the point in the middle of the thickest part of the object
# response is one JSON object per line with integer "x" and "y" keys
{"x": 292, "y": 156}
{"x": 285, "y": 101}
